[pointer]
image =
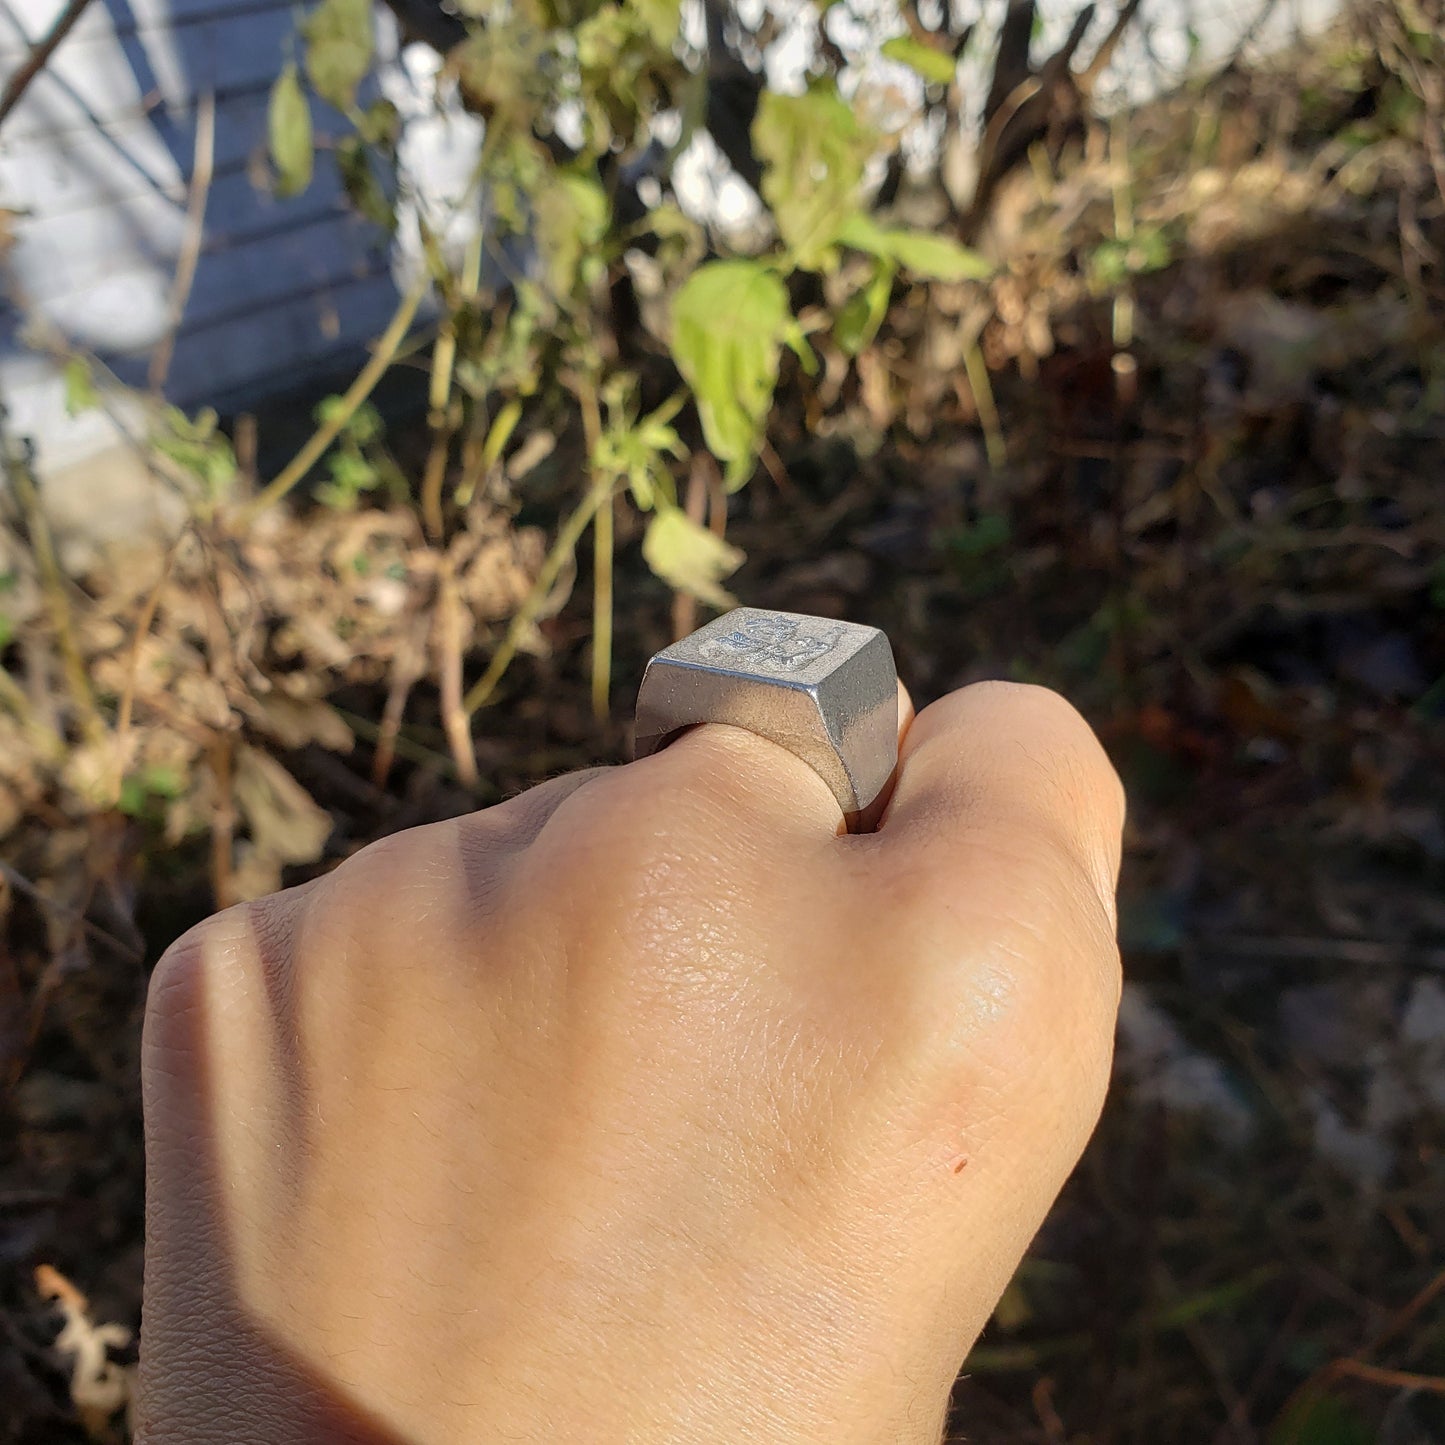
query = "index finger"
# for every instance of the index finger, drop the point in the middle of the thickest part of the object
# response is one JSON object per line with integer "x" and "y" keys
{"x": 1010, "y": 762}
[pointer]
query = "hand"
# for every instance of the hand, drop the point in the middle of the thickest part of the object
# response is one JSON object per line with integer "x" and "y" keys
{"x": 644, "y": 1107}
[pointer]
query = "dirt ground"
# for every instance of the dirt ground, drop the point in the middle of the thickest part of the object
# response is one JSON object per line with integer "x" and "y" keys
{"x": 1218, "y": 531}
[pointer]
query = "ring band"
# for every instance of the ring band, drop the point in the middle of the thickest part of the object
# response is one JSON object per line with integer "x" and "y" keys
{"x": 826, "y": 691}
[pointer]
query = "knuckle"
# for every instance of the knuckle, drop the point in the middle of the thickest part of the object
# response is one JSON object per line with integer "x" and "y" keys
{"x": 651, "y": 889}
{"x": 391, "y": 892}
{"x": 623, "y": 835}
{"x": 183, "y": 966}
{"x": 1054, "y": 932}
{"x": 208, "y": 958}
{"x": 172, "y": 994}
{"x": 1051, "y": 727}
{"x": 1019, "y": 968}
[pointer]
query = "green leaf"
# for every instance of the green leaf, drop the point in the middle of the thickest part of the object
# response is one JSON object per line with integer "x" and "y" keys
{"x": 197, "y": 446}
{"x": 363, "y": 189}
{"x": 862, "y": 314}
{"x": 573, "y": 216}
{"x": 157, "y": 781}
{"x": 729, "y": 321}
{"x": 925, "y": 256}
{"x": 813, "y": 149}
{"x": 380, "y": 125}
{"x": 1112, "y": 262}
{"x": 80, "y": 392}
{"x": 978, "y": 539}
{"x": 288, "y": 122}
{"x": 935, "y": 66}
{"x": 690, "y": 558}
{"x": 503, "y": 72}
{"x": 660, "y": 18}
{"x": 636, "y": 451}
{"x": 1437, "y": 585}
{"x": 500, "y": 433}
{"x": 352, "y": 475}
{"x": 1320, "y": 1419}
{"x": 365, "y": 425}
{"x": 338, "y": 49}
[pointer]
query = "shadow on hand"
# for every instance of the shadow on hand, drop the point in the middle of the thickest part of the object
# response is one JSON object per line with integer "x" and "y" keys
{"x": 209, "y": 1370}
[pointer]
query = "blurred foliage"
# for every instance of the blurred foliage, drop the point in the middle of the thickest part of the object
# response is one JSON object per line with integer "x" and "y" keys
{"x": 604, "y": 73}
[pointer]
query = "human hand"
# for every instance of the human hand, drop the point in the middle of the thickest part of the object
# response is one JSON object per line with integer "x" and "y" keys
{"x": 644, "y": 1107}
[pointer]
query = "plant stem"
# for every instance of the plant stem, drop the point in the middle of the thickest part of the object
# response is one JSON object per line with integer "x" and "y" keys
{"x": 602, "y": 547}
{"x": 439, "y": 401}
{"x": 1119, "y": 168}
{"x": 602, "y": 610}
{"x": 442, "y": 419}
{"x": 993, "y": 439}
{"x": 449, "y": 678}
{"x": 40, "y": 53}
{"x": 695, "y": 504}
{"x": 53, "y": 585}
{"x": 142, "y": 629}
{"x": 202, "y": 171}
{"x": 15, "y": 702}
{"x": 356, "y": 393}
{"x": 221, "y": 756}
{"x": 565, "y": 545}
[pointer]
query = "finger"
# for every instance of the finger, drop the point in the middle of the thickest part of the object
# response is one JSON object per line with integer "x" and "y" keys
{"x": 744, "y": 782}
{"x": 522, "y": 817}
{"x": 905, "y": 716}
{"x": 1015, "y": 763}
{"x": 997, "y": 861}
{"x": 754, "y": 781}
{"x": 867, "y": 821}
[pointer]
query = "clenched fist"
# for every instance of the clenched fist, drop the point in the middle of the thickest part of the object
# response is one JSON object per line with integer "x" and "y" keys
{"x": 648, "y": 1106}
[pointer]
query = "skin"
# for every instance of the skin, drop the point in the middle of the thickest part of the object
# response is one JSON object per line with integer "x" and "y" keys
{"x": 648, "y": 1106}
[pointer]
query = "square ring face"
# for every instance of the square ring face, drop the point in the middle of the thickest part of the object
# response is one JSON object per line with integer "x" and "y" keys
{"x": 827, "y": 691}
{"x": 783, "y": 647}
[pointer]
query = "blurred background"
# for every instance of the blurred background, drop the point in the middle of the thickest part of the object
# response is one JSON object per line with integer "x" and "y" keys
{"x": 380, "y": 385}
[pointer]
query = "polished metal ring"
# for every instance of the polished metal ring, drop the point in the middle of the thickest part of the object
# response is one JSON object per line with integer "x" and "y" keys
{"x": 826, "y": 691}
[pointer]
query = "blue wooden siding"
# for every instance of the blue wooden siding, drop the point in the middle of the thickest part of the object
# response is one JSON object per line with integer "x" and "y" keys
{"x": 97, "y": 159}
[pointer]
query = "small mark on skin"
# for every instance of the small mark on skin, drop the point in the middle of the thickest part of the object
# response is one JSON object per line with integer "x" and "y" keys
{"x": 959, "y": 1163}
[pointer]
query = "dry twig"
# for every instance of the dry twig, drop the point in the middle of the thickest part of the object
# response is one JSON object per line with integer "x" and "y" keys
{"x": 602, "y": 559}
{"x": 365, "y": 383}
{"x": 1392, "y": 1379}
{"x": 39, "y": 56}
{"x": 449, "y": 670}
{"x": 523, "y": 618}
{"x": 15, "y": 455}
{"x": 202, "y": 169}
{"x": 223, "y": 820}
{"x": 126, "y": 707}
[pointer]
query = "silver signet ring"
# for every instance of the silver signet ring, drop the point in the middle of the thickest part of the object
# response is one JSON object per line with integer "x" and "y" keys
{"x": 826, "y": 691}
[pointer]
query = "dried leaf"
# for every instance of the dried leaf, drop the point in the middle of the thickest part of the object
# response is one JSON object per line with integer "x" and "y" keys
{"x": 98, "y": 1386}
{"x": 294, "y": 722}
{"x": 285, "y": 823}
